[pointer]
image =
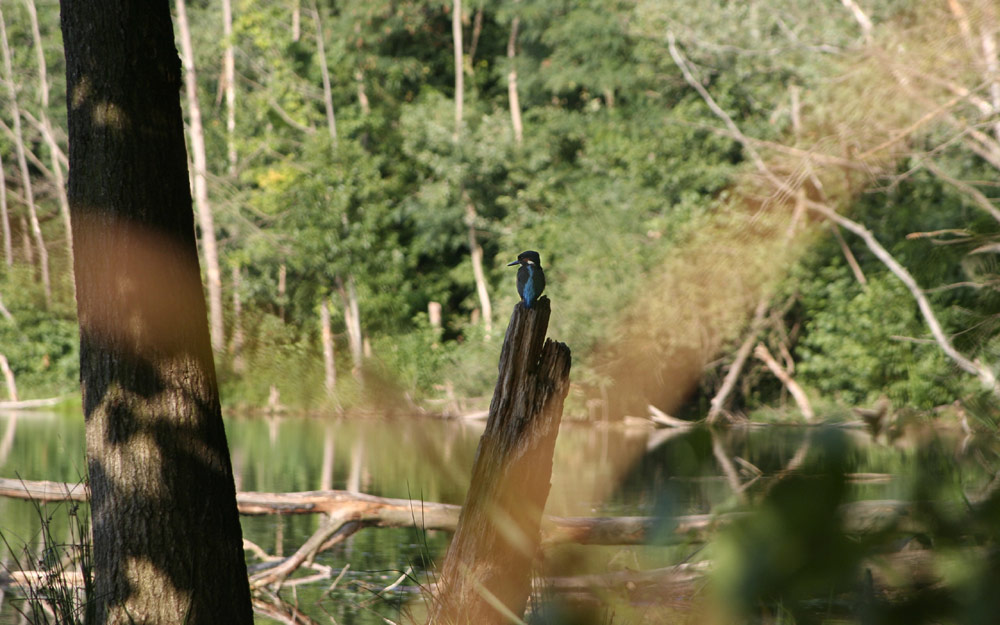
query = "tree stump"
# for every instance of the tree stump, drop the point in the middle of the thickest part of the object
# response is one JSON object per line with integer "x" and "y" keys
{"x": 486, "y": 575}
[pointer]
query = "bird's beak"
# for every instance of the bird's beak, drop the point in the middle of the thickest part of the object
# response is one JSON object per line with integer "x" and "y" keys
{"x": 516, "y": 262}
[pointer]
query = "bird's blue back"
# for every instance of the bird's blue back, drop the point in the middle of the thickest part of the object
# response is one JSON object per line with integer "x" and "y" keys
{"x": 530, "y": 283}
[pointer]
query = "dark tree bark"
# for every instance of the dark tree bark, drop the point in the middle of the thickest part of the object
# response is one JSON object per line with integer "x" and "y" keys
{"x": 167, "y": 540}
{"x": 489, "y": 559}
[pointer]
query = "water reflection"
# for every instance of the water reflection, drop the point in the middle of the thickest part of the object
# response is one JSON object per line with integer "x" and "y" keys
{"x": 597, "y": 471}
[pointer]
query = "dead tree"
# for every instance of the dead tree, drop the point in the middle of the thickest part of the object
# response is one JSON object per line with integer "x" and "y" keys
{"x": 486, "y": 575}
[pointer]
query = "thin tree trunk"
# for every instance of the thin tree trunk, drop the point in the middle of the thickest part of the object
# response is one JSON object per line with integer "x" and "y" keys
{"x": 8, "y": 375}
{"x": 236, "y": 344}
{"x": 8, "y": 244}
{"x": 476, "y": 252}
{"x": 5, "y": 313}
{"x": 359, "y": 77}
{"x": 46, "y": 126}
{"x": 229, "y": 78}
{"x": 26, "y": 247}
{"x": 22, "y": 161}
{"x": 512, "y": 95}
{"x": 167, "y": 545}
{"x": 296, "y": 20}
{"x": 456, "y": 33}
{"x": 282, "y": 289}
{"x": 204, "y": 208}
{"x": 326, "y": 337}
{"x": 352, "y": 319}
{"x": 331, "y": 119}
{"x": 477, "y": 30}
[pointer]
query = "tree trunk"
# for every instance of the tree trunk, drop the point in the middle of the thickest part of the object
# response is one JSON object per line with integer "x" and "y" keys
{"x": 8, "y": 376}
{"x": 22, "y": 161}
{"x": 331, "y": 119}
{"x": 489, "y": 559}
{"x": 236, "y": 344}
{"x": 5, "y": 313}
{"x": 476, "y": 253}
{"x": 282, "y": 289}
{"x": 296, "y": 20}
{"x": 352, "y": 318}
{"x": 204, "y": 208}
{"x": 477, "y": 30}
{"x": 326, "y": 335}
{"x": 166, "y": 536}
{"x": 46, "y": 126}
{"x": 354, "y": 330}
{"x": 28, "y": 250}
{"x": 512, "y": 96}
{"x": 456, "y": 33}
{"x": 229, "y": 78}
{"x": 359, "y": 77}
{"x": 8, "y": 243}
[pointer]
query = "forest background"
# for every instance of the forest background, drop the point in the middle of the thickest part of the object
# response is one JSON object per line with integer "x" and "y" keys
{"x": 358, "y": 199}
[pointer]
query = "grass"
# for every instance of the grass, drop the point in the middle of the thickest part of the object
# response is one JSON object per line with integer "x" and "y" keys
{"x": 54, "y": 579}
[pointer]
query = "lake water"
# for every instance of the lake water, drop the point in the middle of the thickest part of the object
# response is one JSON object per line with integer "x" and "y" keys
{"x": 598, "y": 471}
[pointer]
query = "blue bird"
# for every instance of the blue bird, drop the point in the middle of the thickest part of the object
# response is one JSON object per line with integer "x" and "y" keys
{"x": 530, "y": 277}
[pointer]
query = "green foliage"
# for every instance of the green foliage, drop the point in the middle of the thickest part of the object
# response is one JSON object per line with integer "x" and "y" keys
{"x": 619, "y": 164}
{"x": 862, "y": 343}
{"x": 42, "y": 347}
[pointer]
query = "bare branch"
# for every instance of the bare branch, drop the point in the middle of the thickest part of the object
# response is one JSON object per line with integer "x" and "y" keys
{"x": 859, "y": 16}
{"x": 682, "y": 64}
{"x": 718, "y": 403}
{"x": 764, "y": 355}
{"x": 977, "y": 196}
{"x": 984, "y": 373}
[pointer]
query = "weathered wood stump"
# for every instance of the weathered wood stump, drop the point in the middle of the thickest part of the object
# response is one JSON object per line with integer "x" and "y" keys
{"x": 486, "y": 575}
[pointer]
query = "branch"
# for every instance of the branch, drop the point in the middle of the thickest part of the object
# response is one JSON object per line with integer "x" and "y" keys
{"x": 860, "y": 17}
{"x": 985, "y": 375}
{"x": 976, "y": 368}
{"x": 707, "y": 97}
{"x": 977, "y": 196}
{"x": 718, "y": 403}
{"x": 762, "y": 353}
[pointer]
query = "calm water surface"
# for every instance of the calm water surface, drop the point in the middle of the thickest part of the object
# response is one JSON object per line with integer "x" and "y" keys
{"x": 598, "y": 471}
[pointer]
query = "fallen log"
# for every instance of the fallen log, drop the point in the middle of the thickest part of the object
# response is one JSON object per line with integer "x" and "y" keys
{"x": 862, "y": 517}
{"x": 31, "y": 404}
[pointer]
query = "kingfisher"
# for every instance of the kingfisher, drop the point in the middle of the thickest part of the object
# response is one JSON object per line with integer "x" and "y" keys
{"x": 530, "y": 277}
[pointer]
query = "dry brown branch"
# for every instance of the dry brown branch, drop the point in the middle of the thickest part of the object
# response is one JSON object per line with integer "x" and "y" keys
{"x": 718, "y": 403}
{"x": 852, "y": 262}
{"x": 764, "y": 355}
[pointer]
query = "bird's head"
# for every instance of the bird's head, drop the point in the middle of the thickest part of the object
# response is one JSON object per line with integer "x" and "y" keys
{"x": 527, "y": 258}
